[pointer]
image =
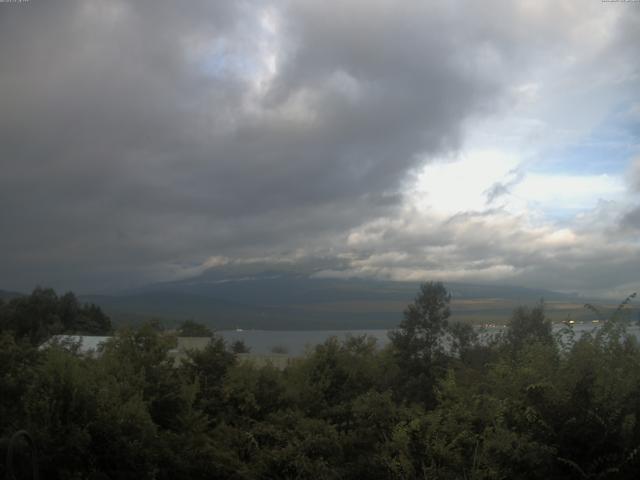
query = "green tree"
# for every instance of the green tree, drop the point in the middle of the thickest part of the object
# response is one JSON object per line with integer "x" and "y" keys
{"x": 335, "y": 373}
{"x": 38, "y": 316}
{"x": 529, "y": 326}
{"x": 191, "y": 328}
{"x": 208, "y": 367}
{"x": 254, "y": 392}
{"x": 91, "y": 320}
{"x": 86, "y": 420}
{"x": 239, "y": 346}
{"x": 418, "y": 342}
{"x": 144, "y": 356}
{"x": 18, "y": 371}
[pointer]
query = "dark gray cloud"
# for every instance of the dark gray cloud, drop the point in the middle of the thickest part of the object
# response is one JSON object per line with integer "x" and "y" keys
{"x": 634, "y": 175}
{"x": 631, "y": 220}
{"x": 500, "y": 189}
{"x": 139, "y": 135}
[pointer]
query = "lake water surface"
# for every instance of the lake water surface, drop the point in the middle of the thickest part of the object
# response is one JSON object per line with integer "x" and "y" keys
{"x": 296, "y": 342}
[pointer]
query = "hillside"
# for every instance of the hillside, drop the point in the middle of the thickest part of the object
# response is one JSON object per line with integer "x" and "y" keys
{"x": 282, "y": 300}
{"x": 8, "y": 295}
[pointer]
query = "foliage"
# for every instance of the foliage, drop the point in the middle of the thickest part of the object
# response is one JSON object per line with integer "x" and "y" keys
{"x": 436, "y": 403}
{"x": 38, "y": 316}
{"x": 208, "y": 368}
{"x": 279, "y": 350}
{"x": 527, "y": 326}
{"x": 191, "y": 328}
{"x": 418, "y": 342}
{"x": 240, "y": 347}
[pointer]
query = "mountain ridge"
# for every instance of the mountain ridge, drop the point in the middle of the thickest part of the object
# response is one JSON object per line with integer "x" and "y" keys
{"x": 272, "y": 299}
{"x": 285, "y": 300}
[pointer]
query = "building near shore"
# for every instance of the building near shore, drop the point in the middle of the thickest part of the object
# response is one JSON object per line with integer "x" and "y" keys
{"x": 92, "y": 346}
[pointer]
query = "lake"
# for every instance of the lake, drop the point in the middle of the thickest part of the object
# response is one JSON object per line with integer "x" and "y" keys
{"x": 296, "y": 342}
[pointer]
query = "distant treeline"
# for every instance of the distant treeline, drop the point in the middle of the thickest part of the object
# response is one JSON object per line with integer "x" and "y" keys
{"x": 43, "y": 313}
{"x": 435, "y": 403}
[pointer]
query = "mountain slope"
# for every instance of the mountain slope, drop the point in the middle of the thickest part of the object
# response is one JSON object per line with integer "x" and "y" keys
{"x": 284, "y": 300}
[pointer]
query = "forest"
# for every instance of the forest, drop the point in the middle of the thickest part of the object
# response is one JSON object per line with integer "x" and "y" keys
{"x": 441, "y": 401}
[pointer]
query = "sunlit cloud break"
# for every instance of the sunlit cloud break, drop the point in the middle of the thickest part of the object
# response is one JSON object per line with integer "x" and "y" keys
{"x": 145, "y": 141}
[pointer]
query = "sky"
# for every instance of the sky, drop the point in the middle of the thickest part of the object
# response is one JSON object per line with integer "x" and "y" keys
{"x": 150, "y": 140}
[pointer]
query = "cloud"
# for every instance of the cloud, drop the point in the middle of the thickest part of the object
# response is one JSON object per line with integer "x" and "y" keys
{"x": 501, "y": 188}
{"x": 631, "y": 219}
{"x": 141, "y": 135}
{"x": 634, "y": 175}
{"x": 495, "y": 246}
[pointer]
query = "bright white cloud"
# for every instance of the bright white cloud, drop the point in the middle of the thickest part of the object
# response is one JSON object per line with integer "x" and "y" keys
{"x": 463, "y": 185}
{"x": 450, "y": 187}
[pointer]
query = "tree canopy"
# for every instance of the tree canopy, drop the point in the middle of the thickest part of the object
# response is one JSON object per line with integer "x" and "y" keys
{"x": 191, "y": 328}
{"x": 37, "y": 316}
{"x": 436, "y": 403}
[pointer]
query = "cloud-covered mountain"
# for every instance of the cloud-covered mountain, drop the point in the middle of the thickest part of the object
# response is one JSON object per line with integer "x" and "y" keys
{"x": 224, "y": 298}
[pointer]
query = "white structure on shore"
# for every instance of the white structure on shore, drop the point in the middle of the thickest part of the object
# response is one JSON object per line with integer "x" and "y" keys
{"x": 92, "y": 345}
